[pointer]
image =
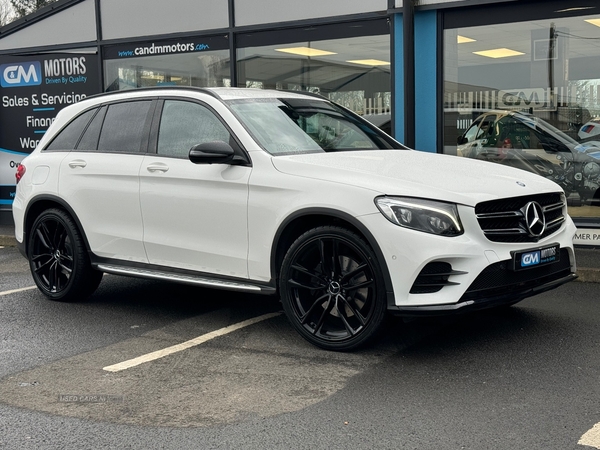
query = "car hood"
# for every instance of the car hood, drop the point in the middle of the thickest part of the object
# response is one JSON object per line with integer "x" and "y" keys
{"x": 417, "y": 174}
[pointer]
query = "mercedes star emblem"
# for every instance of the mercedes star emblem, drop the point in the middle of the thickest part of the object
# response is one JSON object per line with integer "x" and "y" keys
{"x": 534, "y": 219}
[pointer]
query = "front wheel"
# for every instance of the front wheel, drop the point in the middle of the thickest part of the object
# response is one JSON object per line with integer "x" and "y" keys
{"x": 58, "y": 258}
{"x": 332, "y": 289}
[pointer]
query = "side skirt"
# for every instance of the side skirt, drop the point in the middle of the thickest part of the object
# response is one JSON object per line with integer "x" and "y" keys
{"x": 186, "y": 278}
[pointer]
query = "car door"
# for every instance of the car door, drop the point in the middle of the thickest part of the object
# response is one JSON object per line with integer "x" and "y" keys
{"x": 99, "y": 179}
{"x": 466, "y": 140}
{"x": 195, "y": 215}
{"x": 479, "y": 138}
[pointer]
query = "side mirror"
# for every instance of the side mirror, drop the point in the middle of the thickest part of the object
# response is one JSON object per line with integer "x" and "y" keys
{"x": 461, "y": 140}
{"x": 215, "y": 152}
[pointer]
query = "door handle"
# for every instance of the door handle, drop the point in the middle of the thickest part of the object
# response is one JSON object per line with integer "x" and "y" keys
{"x": 77, "y": 163}
{"x": 157, "y": 167}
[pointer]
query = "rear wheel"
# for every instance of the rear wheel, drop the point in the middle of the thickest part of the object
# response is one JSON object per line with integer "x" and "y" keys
{"x": 58, "y": 258}
{"x": 332, "y": 289}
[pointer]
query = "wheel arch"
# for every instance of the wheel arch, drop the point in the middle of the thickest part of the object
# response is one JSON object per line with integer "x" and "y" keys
{"x": 303, "y": 220}
{"x": 42, "y": 203}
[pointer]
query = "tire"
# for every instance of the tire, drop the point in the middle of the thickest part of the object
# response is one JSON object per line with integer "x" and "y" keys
{"x": 332, "y": 289}
{"x": 58, "y": 258}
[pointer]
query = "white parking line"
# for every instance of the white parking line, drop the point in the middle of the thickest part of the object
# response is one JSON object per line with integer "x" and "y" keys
{"x": 185, "y": 345}
{"x": 17, "y": 290}
{"x": 592, "y": 437}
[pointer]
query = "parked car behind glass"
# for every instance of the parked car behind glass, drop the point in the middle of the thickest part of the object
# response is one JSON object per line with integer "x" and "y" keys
{"x": 526, "y": 142}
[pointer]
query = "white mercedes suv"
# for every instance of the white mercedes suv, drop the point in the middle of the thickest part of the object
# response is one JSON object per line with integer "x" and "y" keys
{"x": 282, "y": 193}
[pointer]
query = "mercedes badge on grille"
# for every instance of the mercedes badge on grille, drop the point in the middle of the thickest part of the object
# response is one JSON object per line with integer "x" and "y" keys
{"x": 534, "y": 219}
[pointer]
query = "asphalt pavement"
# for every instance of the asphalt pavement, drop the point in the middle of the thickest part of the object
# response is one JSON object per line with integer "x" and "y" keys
{"x": 524, "y": 377}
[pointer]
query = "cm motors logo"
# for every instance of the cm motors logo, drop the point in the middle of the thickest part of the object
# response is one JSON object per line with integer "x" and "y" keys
{"x": 530, "y": 259}
{"x": 21, "y": 74}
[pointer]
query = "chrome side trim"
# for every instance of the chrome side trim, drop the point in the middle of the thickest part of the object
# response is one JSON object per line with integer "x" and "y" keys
{"x": 187, "y": 279}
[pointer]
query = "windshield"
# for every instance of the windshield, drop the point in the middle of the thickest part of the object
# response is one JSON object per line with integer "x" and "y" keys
{"x": 541, "y": 125}
{"x": 292, "y": 126}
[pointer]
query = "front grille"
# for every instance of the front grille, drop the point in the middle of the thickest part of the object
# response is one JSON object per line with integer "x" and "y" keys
{"x": 498, "y": 279}
{"x": 504, "y": 220}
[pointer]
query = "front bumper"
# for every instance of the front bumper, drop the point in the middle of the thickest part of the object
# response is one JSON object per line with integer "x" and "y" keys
{"x": 487, "y": 300}
{"x": 439, "y": 275}
{"x": 21, "y": 248}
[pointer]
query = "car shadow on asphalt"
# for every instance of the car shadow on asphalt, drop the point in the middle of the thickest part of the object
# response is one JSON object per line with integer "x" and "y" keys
{"x": 424, "y": 336}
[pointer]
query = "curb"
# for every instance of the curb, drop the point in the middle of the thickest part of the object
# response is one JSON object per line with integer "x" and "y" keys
{"x": 8, "y": 241}
{"x": 588, "y": 275}
{"x": 584, "y": 274}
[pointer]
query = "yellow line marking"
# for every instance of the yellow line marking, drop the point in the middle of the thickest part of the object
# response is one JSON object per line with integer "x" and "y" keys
{"x": 592, "y": 437}
{"x": 185, "y": 345}
{"x": 17, "y": 290}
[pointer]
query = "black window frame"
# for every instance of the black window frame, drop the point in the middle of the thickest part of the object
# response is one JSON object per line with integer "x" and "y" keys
{"x": 317, "y": 32}
{"x": 522, "y": 11}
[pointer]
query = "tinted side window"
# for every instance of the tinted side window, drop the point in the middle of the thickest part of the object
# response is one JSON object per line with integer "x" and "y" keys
{"x": 123, "y": 129}
{"x": 89, "y": 140}
{"x": 185, "y": 124}
{"x": 68, "y": 137}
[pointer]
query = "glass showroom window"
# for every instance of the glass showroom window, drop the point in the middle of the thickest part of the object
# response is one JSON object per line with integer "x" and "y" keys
{"x": 202, "y": 62}
{"x": 527, "y": 95}
{"x": 347, "y": 63}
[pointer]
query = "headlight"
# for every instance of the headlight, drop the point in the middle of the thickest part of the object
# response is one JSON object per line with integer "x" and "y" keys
{"x": 422, "y": 215}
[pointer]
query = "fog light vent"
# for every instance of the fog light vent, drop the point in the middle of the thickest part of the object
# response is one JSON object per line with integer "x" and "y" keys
{"x": 433, "y": 277}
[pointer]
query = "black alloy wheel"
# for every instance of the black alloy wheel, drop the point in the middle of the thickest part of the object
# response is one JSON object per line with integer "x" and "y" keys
{"x": 58, "y": 258}
{"x": 332, "y": 289}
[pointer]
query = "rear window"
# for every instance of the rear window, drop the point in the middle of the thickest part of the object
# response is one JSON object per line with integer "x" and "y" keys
{"x": 89, "y": 140}
{"x": 68, "y": 138}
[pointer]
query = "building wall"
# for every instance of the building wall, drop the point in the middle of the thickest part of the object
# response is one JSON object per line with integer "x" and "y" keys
{"x": 74, "y": 24}
{"x": 122, "y": 19}
{"x": 251, "y": 12}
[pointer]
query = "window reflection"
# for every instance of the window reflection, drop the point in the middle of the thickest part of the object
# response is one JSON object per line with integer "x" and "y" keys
{"x": 352, "y": 71}
{"x": 527, "y": 95}
{"x": 206, "y": 69}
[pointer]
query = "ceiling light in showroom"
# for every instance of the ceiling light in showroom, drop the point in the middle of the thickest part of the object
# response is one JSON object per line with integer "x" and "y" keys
{"x": 305, "y": 51}
{"x": 499, "y": 53}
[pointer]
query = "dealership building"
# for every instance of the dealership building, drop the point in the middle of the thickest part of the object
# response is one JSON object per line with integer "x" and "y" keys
{"x": 514, "y": 82}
